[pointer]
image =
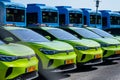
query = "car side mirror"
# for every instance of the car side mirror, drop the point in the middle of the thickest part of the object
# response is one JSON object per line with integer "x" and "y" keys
{"x": 9, "y": 39}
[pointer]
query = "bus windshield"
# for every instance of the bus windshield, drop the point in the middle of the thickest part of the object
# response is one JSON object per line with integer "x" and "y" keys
{"x": 93, "y": 19}
{"x": 15, "y": 15}
{"x": 115, "y": 20}
{"x": 49, "y": 17}
{"x": 75, "y": 18}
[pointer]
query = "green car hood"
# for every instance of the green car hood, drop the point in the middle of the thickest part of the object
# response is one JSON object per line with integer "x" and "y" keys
{"x": 13, "y": 49}
{"x": 107, "y": 40}
{"x": 85, "y": 42}
{"x": 55, "y": 45}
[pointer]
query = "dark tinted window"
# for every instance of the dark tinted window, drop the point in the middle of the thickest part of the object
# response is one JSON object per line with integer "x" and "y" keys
{"x": 75, "y": 18}
{"x": 115, "y": 20}
{"x": 93, "y": 19}
{"x": 15, "y": 15}
{"x": 49, "y": 17}
{"x": 119, "y": 20}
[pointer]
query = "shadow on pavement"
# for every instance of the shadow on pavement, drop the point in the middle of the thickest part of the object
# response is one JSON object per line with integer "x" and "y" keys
{"x": 83, "y": 69}
{"x": 47, "y": 75}
{"x": 105, "y": 63}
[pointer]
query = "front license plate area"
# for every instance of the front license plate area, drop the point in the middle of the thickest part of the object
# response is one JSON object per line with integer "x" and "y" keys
{"x": 117, "y": 52}
{"x": 97, "y": 56}
{"x": 31, "y": 69}
{"x": 70, "y": 61}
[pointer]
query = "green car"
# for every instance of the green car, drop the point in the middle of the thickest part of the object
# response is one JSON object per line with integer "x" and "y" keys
{"x": 17, "y": 62}
{"x": 100, "y": 32}
{"x": 110, "y": 46}
{"x": 88, "y": 51}
{"x": 115, "y": 32}
{"x": 55, "y": 56}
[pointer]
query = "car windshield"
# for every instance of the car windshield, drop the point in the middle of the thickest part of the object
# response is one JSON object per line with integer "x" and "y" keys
{"x": 28, "y": 35}
{"x": 86, "y": 33}
{"x": 61, "y": 34}
{"x": 101, "y": 33}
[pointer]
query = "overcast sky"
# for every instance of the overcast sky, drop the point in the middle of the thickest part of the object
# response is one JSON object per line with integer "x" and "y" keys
{"x": 104, "y": 4}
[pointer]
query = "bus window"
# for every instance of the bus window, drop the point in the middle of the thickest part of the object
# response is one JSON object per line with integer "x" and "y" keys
{"x": 49, "y": 17}
{"x": 75, "y": 18}
{"x": 112, "y": 20}
{"x": 115, "y": 20}
{"x": 119, "y": 20}
{"x": 93, "y": 19}
{"x": 98, "y": 19}
{"x": 15, "y": 15}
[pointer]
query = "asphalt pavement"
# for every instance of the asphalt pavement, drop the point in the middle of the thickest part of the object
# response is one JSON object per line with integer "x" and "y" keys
{"x": 104, "y": 71}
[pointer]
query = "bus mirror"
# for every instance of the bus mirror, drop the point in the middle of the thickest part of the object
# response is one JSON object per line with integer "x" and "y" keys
{"x": 48, "y": 37}
{"x": 9, "y": 39}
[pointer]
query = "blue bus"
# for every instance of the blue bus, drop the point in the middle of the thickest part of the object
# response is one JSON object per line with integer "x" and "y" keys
{"x": 69, "y": 16}
{"x": 12, "y": 13}
{"x": 42, "y": 15}
{"x": 6, "y": 0}
{"x": 110, "y": 19}
{"x": 90, "y": 18}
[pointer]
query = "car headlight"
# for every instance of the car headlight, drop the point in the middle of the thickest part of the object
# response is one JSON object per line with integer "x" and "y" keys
{"x": 81, "y": 47}
{"x": 49, "y": 52}
{"x": 7, "y": 58}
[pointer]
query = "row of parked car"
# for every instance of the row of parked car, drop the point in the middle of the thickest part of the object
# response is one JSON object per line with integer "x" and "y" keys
{"x": 27, "y": 52}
